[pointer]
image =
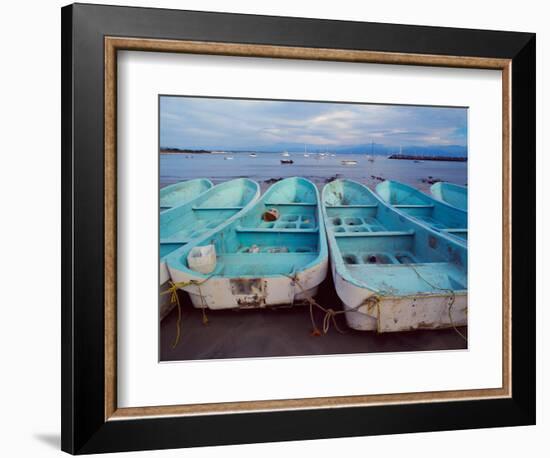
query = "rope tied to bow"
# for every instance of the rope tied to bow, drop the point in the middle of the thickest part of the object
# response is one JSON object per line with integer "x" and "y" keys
{"x": 372, "y": 303}
{"x": 451, "y": 301}
{"x": 329, "y": 313}
{"x": 174, "y": 299}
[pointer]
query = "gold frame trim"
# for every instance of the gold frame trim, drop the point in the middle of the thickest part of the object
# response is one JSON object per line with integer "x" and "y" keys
{"x": 114, "y": 44}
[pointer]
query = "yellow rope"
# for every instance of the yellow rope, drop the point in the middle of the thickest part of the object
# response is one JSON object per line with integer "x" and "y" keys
{"x": 329, "y": 313}
{"x": 174, "y": 299}
{"x": 451, "y": 300}
{"x": 370, "y": 303}
{"x": 203, "y": 308}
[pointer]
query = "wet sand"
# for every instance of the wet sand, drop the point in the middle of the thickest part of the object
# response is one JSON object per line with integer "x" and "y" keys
{"x": 285, "y": 332}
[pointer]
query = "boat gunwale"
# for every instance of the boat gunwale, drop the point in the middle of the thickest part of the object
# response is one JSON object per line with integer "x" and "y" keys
{"x": 441, "y": 184}
{"x": 417, "y": 192}
{"x": 190, "y": 204}
{"x": 423, "y": 294}
{"x": 172, "y": 188}
{"x": 414, "y": 191}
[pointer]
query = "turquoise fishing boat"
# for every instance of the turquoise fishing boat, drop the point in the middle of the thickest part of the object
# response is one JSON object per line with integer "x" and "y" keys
{"x": 180, "y": 193}
{"x": 274, "y": 253}
{"x": 452, "y": 194}
{"x": 182, "y": 224}
{"x": 425, "y": 210}
{"x": 391, "y": 273}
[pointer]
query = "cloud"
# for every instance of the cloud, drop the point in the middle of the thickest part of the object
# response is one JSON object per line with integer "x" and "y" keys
{"x": 213, "y": 123}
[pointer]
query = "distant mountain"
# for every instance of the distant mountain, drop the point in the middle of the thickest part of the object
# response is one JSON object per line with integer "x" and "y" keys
{"x": 437, "y": 150}
{"x": 374, "y": 149}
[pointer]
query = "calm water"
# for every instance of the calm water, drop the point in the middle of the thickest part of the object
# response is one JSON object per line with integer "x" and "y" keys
{"x": 178, "y": 167}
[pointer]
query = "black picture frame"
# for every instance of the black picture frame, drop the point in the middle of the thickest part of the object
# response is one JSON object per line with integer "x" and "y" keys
{"x": 84, "y": 428}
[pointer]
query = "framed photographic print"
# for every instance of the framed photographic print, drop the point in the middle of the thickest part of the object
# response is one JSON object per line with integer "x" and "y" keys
{"x": 271, "y": 222}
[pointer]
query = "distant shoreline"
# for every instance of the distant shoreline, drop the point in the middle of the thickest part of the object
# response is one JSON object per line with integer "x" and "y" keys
{"x": 410, "y": 157}
{"x": 183, "y": 151}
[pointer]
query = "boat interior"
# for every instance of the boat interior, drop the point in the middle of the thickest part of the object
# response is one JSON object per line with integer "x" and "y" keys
{"x": 252, "y": 246}
{"x": 182, "y": 224}
{"x": 180, "y": 193}
{"x": 425, "y": 209}
{"x": 453, "y": 194}
{"x": 380, "y": 250}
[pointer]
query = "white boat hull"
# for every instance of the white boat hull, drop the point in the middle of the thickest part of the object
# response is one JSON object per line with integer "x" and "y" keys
{"x": 164, "y": 275}
{"x": 400, "y": 313}
{"x": 218, "y": 293}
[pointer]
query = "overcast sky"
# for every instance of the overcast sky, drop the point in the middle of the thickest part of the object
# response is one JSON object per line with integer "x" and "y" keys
{"x": 192, "y": 122}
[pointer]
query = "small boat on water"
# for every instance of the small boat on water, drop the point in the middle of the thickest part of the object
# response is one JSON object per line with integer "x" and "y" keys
{"x": 182, "y": 192}
{"x": 452, "y": 194}
{"x": 228, "y": 158}
{"x": 285, "y": 154}
{"x": 185, "y": 223}
{"x": 274, "y": 253}
{"x": 391, "y": 273}
{"x": 348, "y": 162}
{"x": 287, "y": 161}
{"x": 252, "y": 154}
{"x": 424, "y": 209}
